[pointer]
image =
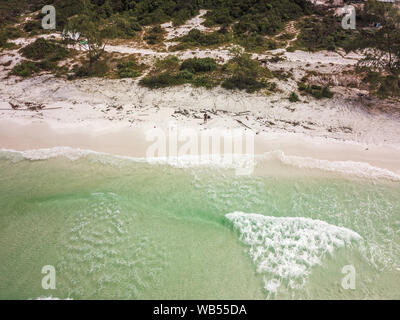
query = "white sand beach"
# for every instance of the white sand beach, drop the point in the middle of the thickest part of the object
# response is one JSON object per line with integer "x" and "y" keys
{"x": 184, "y": 192}
{"x": 114, "y": 117}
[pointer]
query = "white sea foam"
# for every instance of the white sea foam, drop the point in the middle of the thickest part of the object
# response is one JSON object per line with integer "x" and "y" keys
{"x": 284, "y": 249}
{"x": 47, "y": 153}
{"x": 51, "y": 298}
{"x": 226, "y": 161}
{"x": 359, "y": 169}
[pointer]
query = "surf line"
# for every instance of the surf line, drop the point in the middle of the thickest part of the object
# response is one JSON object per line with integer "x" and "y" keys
{"x": 165, "y": 310}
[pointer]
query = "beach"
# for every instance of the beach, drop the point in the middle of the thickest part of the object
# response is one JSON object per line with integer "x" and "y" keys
{"x": 130, "y": 194}
{"x": 117, "y": 117}
{"x": 118, "y": 224}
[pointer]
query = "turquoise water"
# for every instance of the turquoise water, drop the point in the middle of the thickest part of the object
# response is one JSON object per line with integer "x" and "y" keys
{"x": 115, "y": 228}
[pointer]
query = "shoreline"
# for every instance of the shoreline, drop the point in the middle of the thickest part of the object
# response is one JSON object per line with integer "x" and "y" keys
{"x": 113, "y": 117}
{"x": 281, "y": 154}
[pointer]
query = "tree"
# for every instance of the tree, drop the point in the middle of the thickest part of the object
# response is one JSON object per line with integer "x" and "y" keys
{"x": 85, "y": 30}
{"x": 383, "y": 41}
{"x": 244, "y": 72}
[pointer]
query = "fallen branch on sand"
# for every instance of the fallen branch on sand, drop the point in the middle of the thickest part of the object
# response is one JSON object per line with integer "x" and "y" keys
{"x": 14, "y": 106}
{"x": 29, "y": 106}
{"x": 243, "y": 124}
{"x": 242, "y": 113}
{"x": 31, "y": 109}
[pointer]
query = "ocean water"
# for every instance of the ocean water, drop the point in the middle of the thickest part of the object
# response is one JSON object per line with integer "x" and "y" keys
{"x": 117, "y": 228}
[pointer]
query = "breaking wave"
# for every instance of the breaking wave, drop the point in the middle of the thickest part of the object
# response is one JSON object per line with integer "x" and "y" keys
{"x": 284, "y": 249}
{"x": 358, "y": 169}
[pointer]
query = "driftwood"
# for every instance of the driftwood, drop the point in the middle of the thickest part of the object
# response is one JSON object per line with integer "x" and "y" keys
{"x": 28, "y": 106}
{"x": 183, "y": 112}
{"x": 214, "y": 112}
{"x": 243, "y": 124}
{"x": 14, "y": 106}
{"x": 242, "y": 113}
{"x": 30, "y": 109}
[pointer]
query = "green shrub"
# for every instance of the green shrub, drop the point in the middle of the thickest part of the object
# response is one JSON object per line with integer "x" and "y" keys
{"x": 256, "y": 43}
{"x": 326, "y": 92}
{"x": 243, "y": 83}
{"x": 3, "y": 40}
{"x": 47, "y": 53}
{"x": 33, "y": 27}
{"x": 25, "y": 69}
{"x": 169, "y": 63}
{"x": 204, "y": 81}
{"x": 46, "y": 65}
{"x": 169, "y": 72}
{"x": 155, "y": 35}
{"x": 262, "y": 17}
{"x": 373, "y": 78}
{"x": 302, "y": 86}
{"x": 316, "y": 91}
{"x": 276, "y": 59}
{"x": 7, "y": 34}
{"x": 10, "y": 10}
{"x": 196, "y": 65}
{"x": 244, "y": 73}
{"x": 293, "y": 97}
{"x": 121, "y": 26}
{"x": 13, "y": 33}
{"x": 162, "y": 80}
{"x": 82, "y": 72}
{"x": 195, "y": 38}
{"x": 44, "y": 49}
{"x": 282, "y": 75}
{"x": 324, "y": 33}
{"x": 272, "y": 86}
{"x": 287, "y": 36}
{"x": 128, "y": 69}
{"x": 167, "y": 79}
{"x": 383, "y": 86}
{"x": 184, "y": 75}
{"x": 98, "y": 69}
{"x": 389, "y": 87}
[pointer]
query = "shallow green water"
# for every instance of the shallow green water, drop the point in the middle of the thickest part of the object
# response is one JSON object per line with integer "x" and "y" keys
{"x": 131, "y": 230}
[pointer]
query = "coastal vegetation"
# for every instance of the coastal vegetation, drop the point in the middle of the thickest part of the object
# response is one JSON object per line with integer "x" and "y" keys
{"x": 7, "y": 34}
{"x": 381, "y": 65}
{"x": 200, "y": 72}
{"x": 42, "y": 49}
{"x": 196, "y": 65}
{"x": 197, "y": 39}
{"x": 10, "y": 10}
{"x": 85, "y": 29}
{"x": 293, "y": 97}
{"x": 318, "y": 92}
{"x": 256, "y": 26}
{"x": 239, "y": 73}
{"x": 255, "y": 16}
{"x": 245, "y": 73}
{"x": 154, "y": 35}
{"x": 129, "y": 68}
{"x": 43, "y": 55}
{"x": 122, "y": 26}
{"x": 26, "y": 69}
{"x": 323, "y": 32}
{"x": 134, "y": 12}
